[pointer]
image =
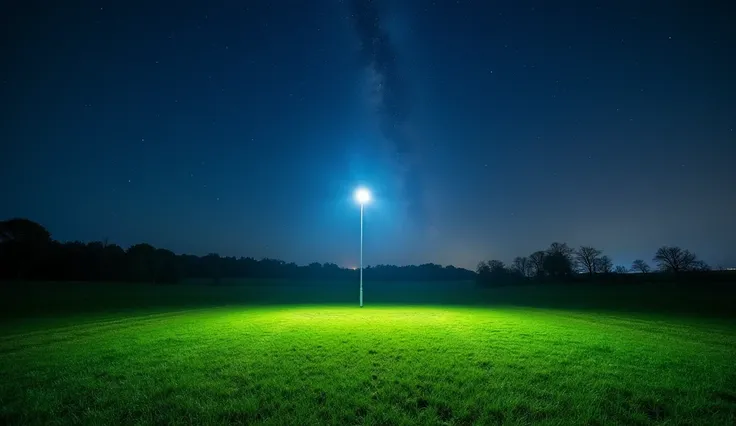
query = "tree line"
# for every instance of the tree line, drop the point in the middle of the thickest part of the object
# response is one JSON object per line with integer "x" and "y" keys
{"x": 560, "y": 262}
{"x": 27, "y": 252}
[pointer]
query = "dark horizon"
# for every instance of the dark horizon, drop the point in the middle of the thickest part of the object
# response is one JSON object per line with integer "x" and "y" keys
{"x": 34, "y": 254}
{"x": 484, "y": 131}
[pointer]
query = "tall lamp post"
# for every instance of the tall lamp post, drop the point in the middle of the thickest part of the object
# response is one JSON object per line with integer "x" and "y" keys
{"x": 362, "y": 196}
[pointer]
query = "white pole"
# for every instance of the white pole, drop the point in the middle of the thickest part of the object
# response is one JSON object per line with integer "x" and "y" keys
{"x": 361, "y": 255}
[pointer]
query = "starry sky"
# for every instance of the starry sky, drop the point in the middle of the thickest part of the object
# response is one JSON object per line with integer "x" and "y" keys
{"x": 485, "y": 130}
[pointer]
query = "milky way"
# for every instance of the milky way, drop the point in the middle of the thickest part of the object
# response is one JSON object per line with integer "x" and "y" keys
{"x": 391, "y": 94}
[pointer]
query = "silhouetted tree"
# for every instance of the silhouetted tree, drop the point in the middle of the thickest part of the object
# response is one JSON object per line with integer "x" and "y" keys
{"x": 496, "y": 266}
{"x": 640, "y": 266}
{"x": 603, "y": 265}
{"x": 536, "y": 260}
{"x": 24, "y": 231}
{"x": 23, "y": 247}
{"x": 483, "y": 271}
{"x": 523, "y": 266}
{"x": 565, "y": 251}
{"x": 494, "y": 273}
{"x": 587, "y": 257}
{"x": 676, "y": 259}
{"x": 558, "y": 266}
{"x": 425, "y": 272}
{"x": 699, "y": 265}
{"x": 619, "y": 269}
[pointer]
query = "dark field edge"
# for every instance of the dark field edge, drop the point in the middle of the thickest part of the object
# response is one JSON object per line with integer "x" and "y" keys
{"x": 31, "y": 301}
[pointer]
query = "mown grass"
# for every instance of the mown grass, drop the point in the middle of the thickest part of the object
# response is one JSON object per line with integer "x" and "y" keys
{"x": 391, "y": 365}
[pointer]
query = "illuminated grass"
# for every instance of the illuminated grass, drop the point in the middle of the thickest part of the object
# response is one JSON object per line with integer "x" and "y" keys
{"x": 378, "y": 365}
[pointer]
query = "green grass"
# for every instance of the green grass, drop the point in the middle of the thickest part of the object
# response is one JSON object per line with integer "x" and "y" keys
{"x": 389, "y": 364}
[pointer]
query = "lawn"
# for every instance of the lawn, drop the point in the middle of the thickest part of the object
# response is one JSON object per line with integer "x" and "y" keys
{"x": 383, "y": 364}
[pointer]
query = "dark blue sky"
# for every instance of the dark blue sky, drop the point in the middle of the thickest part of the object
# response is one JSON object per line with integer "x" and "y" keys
{"x": 485, "y": 130}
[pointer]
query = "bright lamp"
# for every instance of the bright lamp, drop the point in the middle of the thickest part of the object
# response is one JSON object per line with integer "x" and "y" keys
{"x": 362, "y": 195}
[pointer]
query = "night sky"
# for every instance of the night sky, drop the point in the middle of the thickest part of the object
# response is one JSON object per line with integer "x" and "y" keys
{"x": 485, "y": 130}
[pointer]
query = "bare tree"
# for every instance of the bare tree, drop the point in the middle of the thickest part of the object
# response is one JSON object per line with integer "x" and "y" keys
{"x": 620, "y": 269}
{"x": 586, "y": 257}
{"x": 676, "y": 259}
{"x": 523, "y": 266}
{"x": 536, "y": 260}
{"x": 640, "y": 266}
{"x": 561, "y": 248}
{"x": 603, "y": 265}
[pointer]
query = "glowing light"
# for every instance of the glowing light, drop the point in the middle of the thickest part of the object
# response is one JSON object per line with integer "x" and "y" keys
{"x": 362, "y": 195}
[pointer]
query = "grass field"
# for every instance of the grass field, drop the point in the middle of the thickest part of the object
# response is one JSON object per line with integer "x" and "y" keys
{"x": 212, "y": 359}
